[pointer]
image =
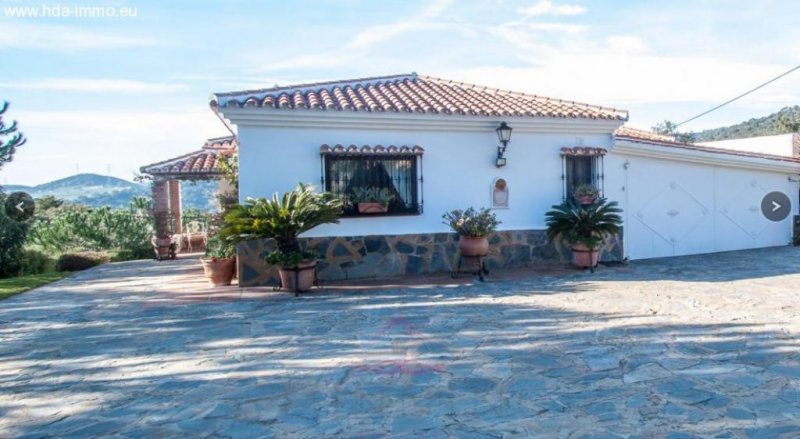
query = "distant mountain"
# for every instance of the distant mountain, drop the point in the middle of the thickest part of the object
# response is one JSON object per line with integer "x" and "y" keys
{"x": 782, "y": 122}
{"x": 98, "y": 190}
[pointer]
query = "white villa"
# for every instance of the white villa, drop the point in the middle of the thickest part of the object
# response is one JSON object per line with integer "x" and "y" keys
{"x": 435, "y": 143}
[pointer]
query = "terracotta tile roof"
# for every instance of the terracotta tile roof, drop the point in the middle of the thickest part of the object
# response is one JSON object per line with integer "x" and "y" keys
{"x": 583, "y": 151}
{"x": 412, "y": 93}
{"x": 667, "y": 141}
{"x": 226, "y": 142}
{"x": 367, "y": 150}
{"x": 204, "y": 162}
{"x": 626, "y": 131}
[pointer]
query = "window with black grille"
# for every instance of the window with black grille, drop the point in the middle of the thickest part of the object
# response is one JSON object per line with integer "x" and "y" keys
{"x": 582, "y": 166}
{"x": 400, "y": 175}
{"x": 581, "y": 170}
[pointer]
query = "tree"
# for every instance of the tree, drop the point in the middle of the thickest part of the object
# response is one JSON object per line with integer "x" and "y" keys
{"x": 789, "y": 123}
{"x": 10, "y": 139}
{"x": 669, "y": 128}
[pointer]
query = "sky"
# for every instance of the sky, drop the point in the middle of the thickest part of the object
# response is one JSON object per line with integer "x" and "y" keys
{"x": 110, "y": 94}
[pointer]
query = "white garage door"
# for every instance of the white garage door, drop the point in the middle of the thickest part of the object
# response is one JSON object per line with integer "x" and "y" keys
{"x": 678, "y": 208}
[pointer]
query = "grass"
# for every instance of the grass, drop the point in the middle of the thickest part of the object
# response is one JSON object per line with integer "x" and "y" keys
{"x": 16, "y": 285}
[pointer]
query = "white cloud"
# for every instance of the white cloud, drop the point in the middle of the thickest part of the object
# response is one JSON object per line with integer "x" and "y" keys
{"x": 95, "y": 139}
{"x": 622, "y": 72}
{"x": 558, "y": 27}
{"x": 96, "y": 85}
{"x": 61, "y": 38}
{"x": 374, "y": 35}
{"x": 546, "y": 7}
{"x": 368, "y": 38}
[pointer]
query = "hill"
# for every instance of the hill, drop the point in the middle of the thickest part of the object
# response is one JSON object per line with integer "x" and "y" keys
{"x": 98, "y": 190}
{"x": 782, "y": 122}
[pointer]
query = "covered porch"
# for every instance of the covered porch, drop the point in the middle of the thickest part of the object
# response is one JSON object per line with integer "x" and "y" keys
{"x": 167, "y": 176}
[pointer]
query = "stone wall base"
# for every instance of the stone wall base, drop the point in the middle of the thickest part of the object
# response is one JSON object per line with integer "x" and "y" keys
{"x": 361, "y": 257}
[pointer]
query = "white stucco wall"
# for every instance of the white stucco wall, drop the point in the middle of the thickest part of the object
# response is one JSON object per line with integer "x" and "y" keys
{"x": 458, "y": 170}
{"x": 776, "y": 145}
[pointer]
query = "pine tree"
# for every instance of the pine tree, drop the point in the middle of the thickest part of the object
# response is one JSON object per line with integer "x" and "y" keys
{"x": 10, "y": 139}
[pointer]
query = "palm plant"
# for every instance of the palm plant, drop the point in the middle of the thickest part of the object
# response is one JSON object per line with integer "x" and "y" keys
{"x": 281, "y": 218}
{"x": 583, "y": 224}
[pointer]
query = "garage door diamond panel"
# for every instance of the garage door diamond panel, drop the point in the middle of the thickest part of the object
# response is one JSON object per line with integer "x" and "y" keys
{"x": 744, "y": 211}
{"x": 673, "y": 213}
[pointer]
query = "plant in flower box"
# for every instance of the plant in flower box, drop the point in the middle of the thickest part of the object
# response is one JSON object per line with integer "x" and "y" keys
{"x": 585, "y": 194}
{"x": 371, "y": 199}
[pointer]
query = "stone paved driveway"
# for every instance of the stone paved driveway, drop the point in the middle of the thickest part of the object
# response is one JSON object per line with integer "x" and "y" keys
{"x": 698, "y": 346}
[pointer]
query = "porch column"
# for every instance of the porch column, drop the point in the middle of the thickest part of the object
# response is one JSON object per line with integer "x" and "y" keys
{"x": 161, "y": 207}
{"x": 175, "y": 208}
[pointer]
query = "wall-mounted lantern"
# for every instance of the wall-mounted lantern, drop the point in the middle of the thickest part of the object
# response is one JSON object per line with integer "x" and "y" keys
{"x": 504, "y": 135}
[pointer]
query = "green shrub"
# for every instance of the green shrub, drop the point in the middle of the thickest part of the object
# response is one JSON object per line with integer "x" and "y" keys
{"x": 35, "y": 262}
{"x": 78, "y": 228}
{"x": 81, "y": 261}
{"x": 12, "y": 239}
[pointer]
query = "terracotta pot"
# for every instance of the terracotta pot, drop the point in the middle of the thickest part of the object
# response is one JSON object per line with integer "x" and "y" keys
{"x": 470, "y": 246}
{"x": 161, "y": 247}
{"x": 207, "y": 270}
{"x": 583, "y": 256}
{"x": 301, "y": 277}
{"x": 219, "y": 272}
{"x": 586, "y": 199}
{"x": 372, "y": 208}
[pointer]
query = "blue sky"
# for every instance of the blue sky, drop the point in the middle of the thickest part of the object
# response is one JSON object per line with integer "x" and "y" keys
{"x": 94, "y": 94}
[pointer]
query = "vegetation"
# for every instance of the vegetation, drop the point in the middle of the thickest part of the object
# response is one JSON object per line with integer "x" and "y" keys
{"x": 282, "y": 218}
{"x": 16, "y": 285}
{"x": 371, "y": 194}
{"x": 13, "y": 235}
{"x": 669, "y": 128}
{"x": 71, "y": 228}
{"x": 34, "y": 262}
{"x": 81, "y": 261}
{"x": 471, "y": 222}
{"x": 583, "y": 224}
{"x": 585, "y": 190}
{"x": 229, "y": 164}
{"x": 785, "y": 121}
{"x": 10, "y": 138}
{"x": 217, "y": 248}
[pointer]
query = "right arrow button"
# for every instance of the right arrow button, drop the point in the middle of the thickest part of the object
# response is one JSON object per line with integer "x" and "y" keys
{"x": 776, "y": 206}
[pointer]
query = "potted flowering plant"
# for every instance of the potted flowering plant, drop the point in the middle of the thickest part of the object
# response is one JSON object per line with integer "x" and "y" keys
{"x": 371, "y": 199}
{"x": 283, "y": 218}
{"x": 473, "y": 226}
{"x": 585, "y": 194}
{"x": 584, "y": 227}
{"x": 219, "y": 261}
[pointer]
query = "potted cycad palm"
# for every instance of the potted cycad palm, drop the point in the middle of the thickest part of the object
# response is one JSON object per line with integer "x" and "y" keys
{"x": 473, "y": 226}
{"x": 283, "y": 218}
{"x": 584, "y": 227}
{"x": 371, "y": 199}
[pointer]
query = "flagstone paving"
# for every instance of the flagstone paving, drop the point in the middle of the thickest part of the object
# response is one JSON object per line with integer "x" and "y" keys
{"x": 687, "y": 347}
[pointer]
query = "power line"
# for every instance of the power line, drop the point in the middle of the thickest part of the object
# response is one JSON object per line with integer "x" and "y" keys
{"x": 740, "y": 96}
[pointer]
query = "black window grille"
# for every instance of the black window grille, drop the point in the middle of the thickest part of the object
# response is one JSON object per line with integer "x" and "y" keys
{"x": 400, "y": 175}
{"x": 580, "y": 170}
